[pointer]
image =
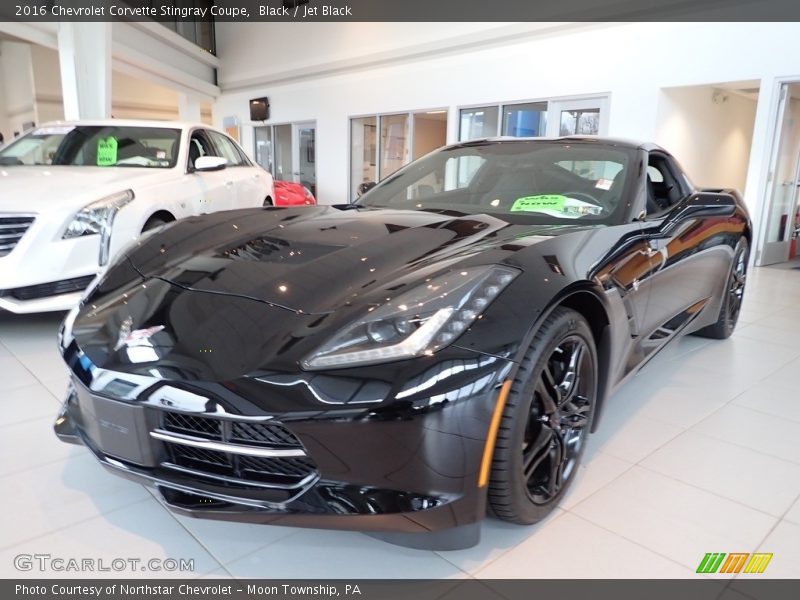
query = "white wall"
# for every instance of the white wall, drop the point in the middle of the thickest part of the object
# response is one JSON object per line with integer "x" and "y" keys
{"x": 630, "y": 62}
{"x": 710, "y": 130}
{"x": 257, "y": 51}
{"x": 16, "y": 86}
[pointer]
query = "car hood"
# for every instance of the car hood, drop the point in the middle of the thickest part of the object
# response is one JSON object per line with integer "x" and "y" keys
{"x": 317, "y": 259}
{"x": 36, "y": 189}
{"x": 222, "y": 295}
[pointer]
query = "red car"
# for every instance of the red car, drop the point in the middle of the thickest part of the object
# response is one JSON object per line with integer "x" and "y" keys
{"x": 288, "y": 193}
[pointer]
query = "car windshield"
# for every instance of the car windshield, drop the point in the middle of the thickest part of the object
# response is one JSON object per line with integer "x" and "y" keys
{"x": 550, "y": 182}
{"x": 94, "y": 146}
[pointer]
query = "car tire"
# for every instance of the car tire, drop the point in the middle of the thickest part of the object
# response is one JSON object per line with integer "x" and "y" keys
{"x": 545, "y": 421}
{"x": 268, "y": 201}
{"x": 731, "y": 305}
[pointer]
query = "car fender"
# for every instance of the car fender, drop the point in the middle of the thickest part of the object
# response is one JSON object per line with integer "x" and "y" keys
{"x": 605, "y": 313}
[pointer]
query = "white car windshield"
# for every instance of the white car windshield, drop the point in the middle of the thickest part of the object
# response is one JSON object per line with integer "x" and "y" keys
{"x": 94, "y": 146}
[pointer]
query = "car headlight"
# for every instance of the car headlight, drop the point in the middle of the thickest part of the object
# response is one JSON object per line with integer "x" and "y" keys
{"x": 417, "y": 322}
{"x": 97, "y": 218}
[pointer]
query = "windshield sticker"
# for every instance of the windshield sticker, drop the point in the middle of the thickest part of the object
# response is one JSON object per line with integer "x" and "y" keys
{"x": 556, "y": 205}
{"x": 55, "y": 130}
{"x": 107, "y": 151}
{"x": 604, "y": 184}
{"x": 538, "y": 203}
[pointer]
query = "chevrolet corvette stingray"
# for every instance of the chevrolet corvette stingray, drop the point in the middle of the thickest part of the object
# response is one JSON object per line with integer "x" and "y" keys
{"x": 402, "y": 364}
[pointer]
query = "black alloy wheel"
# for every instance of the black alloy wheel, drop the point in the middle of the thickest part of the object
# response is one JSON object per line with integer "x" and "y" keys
{"x": 546, "y": 420}
{"x": 736, "y": 284}
{"x": 731, "y": 306}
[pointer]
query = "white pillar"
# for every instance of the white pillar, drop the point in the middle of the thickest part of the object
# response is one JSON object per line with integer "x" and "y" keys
{"x": 188, "y": 108}
{"x": 84, "y": 54}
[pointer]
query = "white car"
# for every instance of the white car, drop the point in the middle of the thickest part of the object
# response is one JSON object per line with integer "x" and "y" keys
{"x": 73, "y": 194}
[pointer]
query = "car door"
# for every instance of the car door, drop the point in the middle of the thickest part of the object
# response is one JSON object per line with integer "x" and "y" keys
{"x": 213, "y": 189}
{"x": 248, "y": 182}
{"x": 688, "y": 251}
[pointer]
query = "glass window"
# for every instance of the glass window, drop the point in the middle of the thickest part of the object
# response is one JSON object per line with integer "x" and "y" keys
{"x": 580, "y": 122}
{"x": 363, "y": 152}
{"x": 199, "y": 145}
{"x": 263, "y": 150}
{"x": 95, "y": 146}
{"x": 283, "y": 152}
{"x": 537, "y": 181}
{"x": 525, "y": 120}
{"x": 654, "y": 174}
{"x": 394, "y": 143}
{"x": 430, "y": 132}
{"x": 476, "y": 123}
{"x": 227, "y": 149}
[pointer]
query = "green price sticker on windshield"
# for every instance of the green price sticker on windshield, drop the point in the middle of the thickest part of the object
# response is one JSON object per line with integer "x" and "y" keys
{"x": 107, "y": 151}
{"x": 534, "y": 203}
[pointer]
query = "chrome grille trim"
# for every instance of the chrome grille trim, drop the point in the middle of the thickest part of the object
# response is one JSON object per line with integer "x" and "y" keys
{"x": 186, "y": 440}
{"x": 13, "y": 226}
{"x": 237, "y": 481}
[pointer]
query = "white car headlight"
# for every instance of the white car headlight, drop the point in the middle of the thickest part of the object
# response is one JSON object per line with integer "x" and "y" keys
{"x": 97, "y": 218}
{"x": 417, "y": 322}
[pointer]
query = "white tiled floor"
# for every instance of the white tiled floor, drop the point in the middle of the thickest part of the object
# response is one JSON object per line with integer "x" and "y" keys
{"x": 699, "y": 453}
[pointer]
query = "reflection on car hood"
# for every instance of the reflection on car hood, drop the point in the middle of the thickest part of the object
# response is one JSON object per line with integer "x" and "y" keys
{"x": 267, "y": 285}
{"x": 316, "y": 259}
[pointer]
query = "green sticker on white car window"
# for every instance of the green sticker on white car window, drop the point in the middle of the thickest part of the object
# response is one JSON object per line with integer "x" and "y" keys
{"x": 538, "y": 203}
{"x": 107, "y": 151}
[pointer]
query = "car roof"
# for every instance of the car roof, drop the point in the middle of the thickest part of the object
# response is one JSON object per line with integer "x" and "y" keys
{"x": 130, "y": 123}
{"x": 581, "y": 139}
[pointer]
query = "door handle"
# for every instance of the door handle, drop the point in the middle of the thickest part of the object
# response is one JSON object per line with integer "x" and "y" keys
{"x": 229, "y": 184}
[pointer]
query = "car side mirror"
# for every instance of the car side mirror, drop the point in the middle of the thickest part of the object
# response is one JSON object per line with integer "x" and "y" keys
{"x": 365, "y": 187}
{"x": 704, "y": 204}
{"x": 210, "y": 163}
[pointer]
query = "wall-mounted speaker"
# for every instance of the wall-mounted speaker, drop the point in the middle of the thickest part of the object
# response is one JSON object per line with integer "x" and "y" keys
{"x": 259, "y": 109}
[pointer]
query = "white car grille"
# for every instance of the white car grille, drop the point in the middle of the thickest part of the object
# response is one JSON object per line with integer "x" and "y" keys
{"x": 12, "y": 228}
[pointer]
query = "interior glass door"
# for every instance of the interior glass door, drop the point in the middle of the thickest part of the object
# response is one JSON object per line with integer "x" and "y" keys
{"x": 306, "y": 157}
{"x": 363, "y": 152}
{"x": 283, "y": 153}
{"x": 263, "y": 138}
{"x": 779, "y": 221}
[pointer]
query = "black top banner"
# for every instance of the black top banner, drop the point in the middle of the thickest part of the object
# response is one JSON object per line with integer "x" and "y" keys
{"x": 400, "y": 10}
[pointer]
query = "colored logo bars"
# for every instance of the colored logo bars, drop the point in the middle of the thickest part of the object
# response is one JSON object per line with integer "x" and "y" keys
{"x": 735, "y": 562}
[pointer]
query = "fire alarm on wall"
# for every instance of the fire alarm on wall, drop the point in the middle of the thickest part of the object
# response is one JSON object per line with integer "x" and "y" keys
{"x": 259, "y": 109}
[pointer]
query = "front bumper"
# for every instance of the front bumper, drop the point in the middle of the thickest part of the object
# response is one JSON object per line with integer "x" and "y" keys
{"x": 52, "y": 296}
{"x": 397, "y": 470}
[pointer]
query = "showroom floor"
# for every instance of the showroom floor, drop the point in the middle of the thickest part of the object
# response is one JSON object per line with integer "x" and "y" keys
{"x": 699, "y": 453}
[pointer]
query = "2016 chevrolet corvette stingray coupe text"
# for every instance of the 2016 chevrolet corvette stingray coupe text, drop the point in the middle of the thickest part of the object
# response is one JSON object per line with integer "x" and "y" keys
{"x": 396, "y": 365}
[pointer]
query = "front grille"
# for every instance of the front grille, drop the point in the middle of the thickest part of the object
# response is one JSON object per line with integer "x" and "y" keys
{"x": 292, "y": 467}
{"x": 46, "y": 290}
{"x": 12, "y": 228}
{"x": 263, "y": 433}
{"x": 191, "y": 425}
{"x": 279, "y": 471}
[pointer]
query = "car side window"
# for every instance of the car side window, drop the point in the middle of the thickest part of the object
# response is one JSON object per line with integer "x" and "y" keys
{"x": 227, "y": 149}
{"x": 664, "y": 188}
{"x": 198, "y": 146}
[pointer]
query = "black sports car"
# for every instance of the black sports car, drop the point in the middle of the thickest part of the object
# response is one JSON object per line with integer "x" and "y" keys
{"x": 395, "y": 365}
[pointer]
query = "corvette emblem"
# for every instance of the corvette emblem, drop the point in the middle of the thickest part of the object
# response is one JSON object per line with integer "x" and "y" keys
{"x": 134, "y": 337}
